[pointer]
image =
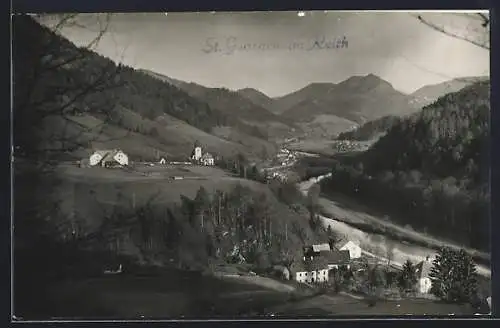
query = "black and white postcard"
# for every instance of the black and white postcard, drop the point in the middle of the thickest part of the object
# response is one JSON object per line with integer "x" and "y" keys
{"x": 250, "y": 165}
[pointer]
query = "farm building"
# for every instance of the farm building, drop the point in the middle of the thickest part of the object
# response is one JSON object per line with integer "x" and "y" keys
{"x": 207, "y": 159}
{"x": 424, "y": 281}
{"x": 163, "y": 160}
{"x": 108, "y": 157}
{"x": 352, "y": 247}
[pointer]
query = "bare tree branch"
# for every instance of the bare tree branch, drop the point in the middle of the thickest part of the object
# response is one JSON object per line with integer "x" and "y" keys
{"x": 440, "y": 29}
{"x": 51, "y": 62}
{"x": 486, "y": 19}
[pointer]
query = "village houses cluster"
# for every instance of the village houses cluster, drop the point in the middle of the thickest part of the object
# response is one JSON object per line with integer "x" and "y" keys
{"x": 286, "y": 157}
{"x": 319, "y": 259}
{"x": 118, "y": 158}
{"x": 342, "y": 146}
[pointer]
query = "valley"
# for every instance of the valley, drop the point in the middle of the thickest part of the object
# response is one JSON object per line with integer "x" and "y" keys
{"x": 139, "y": 194}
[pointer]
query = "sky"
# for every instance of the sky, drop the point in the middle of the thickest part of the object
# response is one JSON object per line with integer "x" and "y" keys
{"x": 280, "y": 55}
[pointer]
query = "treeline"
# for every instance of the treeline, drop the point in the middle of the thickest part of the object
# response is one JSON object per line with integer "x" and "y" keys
{"x": 431, "y": 170}
{"x": 241, "y": 166}
{"x": 370, "y": 129}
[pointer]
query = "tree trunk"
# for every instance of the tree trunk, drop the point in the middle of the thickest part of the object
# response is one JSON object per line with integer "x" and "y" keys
{"x": 202, "y": 220}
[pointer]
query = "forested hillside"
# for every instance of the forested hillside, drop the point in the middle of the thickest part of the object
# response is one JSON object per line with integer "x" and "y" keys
{"x": 431, "y": 170}
{"x": 448, "y": 138}
{"x": 248, "y": 117}
{"x": 370, "y": 130}
{"x": 58, "y": 85}
{"x": 420, "y": 98}
{"x": 430, "y": 93}
{"x": 257, "y": 98}
{"x": 69, "y": 99}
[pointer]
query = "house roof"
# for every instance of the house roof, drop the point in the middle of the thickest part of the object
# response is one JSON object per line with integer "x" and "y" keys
{"x": 344, "y": 241}
{"x": 423, "y": 269}
{"x": 349, "y": 242}
{"x": 321, "y": 247}
{"x": 325, "y": 258}
{"x": 336, "y": 256}
{"x": 110, "y": 155}
{"x": 317, "y": 263}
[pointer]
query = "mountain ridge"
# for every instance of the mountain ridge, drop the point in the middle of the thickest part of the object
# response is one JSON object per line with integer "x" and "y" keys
{"x": 424, "y": 96}
{"x": 235, "y": 105}
{"x": 358, "y": 98}
{"x": 125, "y": 91}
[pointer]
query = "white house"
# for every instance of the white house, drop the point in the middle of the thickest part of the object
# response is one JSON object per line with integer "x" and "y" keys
{"x": 352, "y": 247}
{"x": 96, "y": 157}
{"x": 163, "y": 160}
{"x": 314, "y": 276}
{"x": 104, "y": 157}
{"x": 207, "y": 159}
{"x": 311, "y": 271}
{"x": 424, "y": 283}
{"x": 196, "y": 155}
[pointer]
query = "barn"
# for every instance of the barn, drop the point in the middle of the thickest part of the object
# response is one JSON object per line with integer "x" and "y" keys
{"x": 352, "y": 247}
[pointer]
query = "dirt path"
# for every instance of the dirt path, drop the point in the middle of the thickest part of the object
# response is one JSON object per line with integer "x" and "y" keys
{"x": 262, "y": 281}
{"x": 374, "y": 243}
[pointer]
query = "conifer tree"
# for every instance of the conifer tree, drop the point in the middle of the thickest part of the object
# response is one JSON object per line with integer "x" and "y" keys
{"x": 454, "y": 276}
{"x": 408, "y": 276}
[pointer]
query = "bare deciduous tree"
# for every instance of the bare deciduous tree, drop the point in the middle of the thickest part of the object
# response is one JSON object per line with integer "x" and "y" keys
{"x": 55, "y": 82}
{"x": 389, "y": 251}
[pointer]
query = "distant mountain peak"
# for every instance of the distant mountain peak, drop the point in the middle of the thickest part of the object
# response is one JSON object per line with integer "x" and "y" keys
{"x": 249, "y": 90}
{"x": 371, "y": 79}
